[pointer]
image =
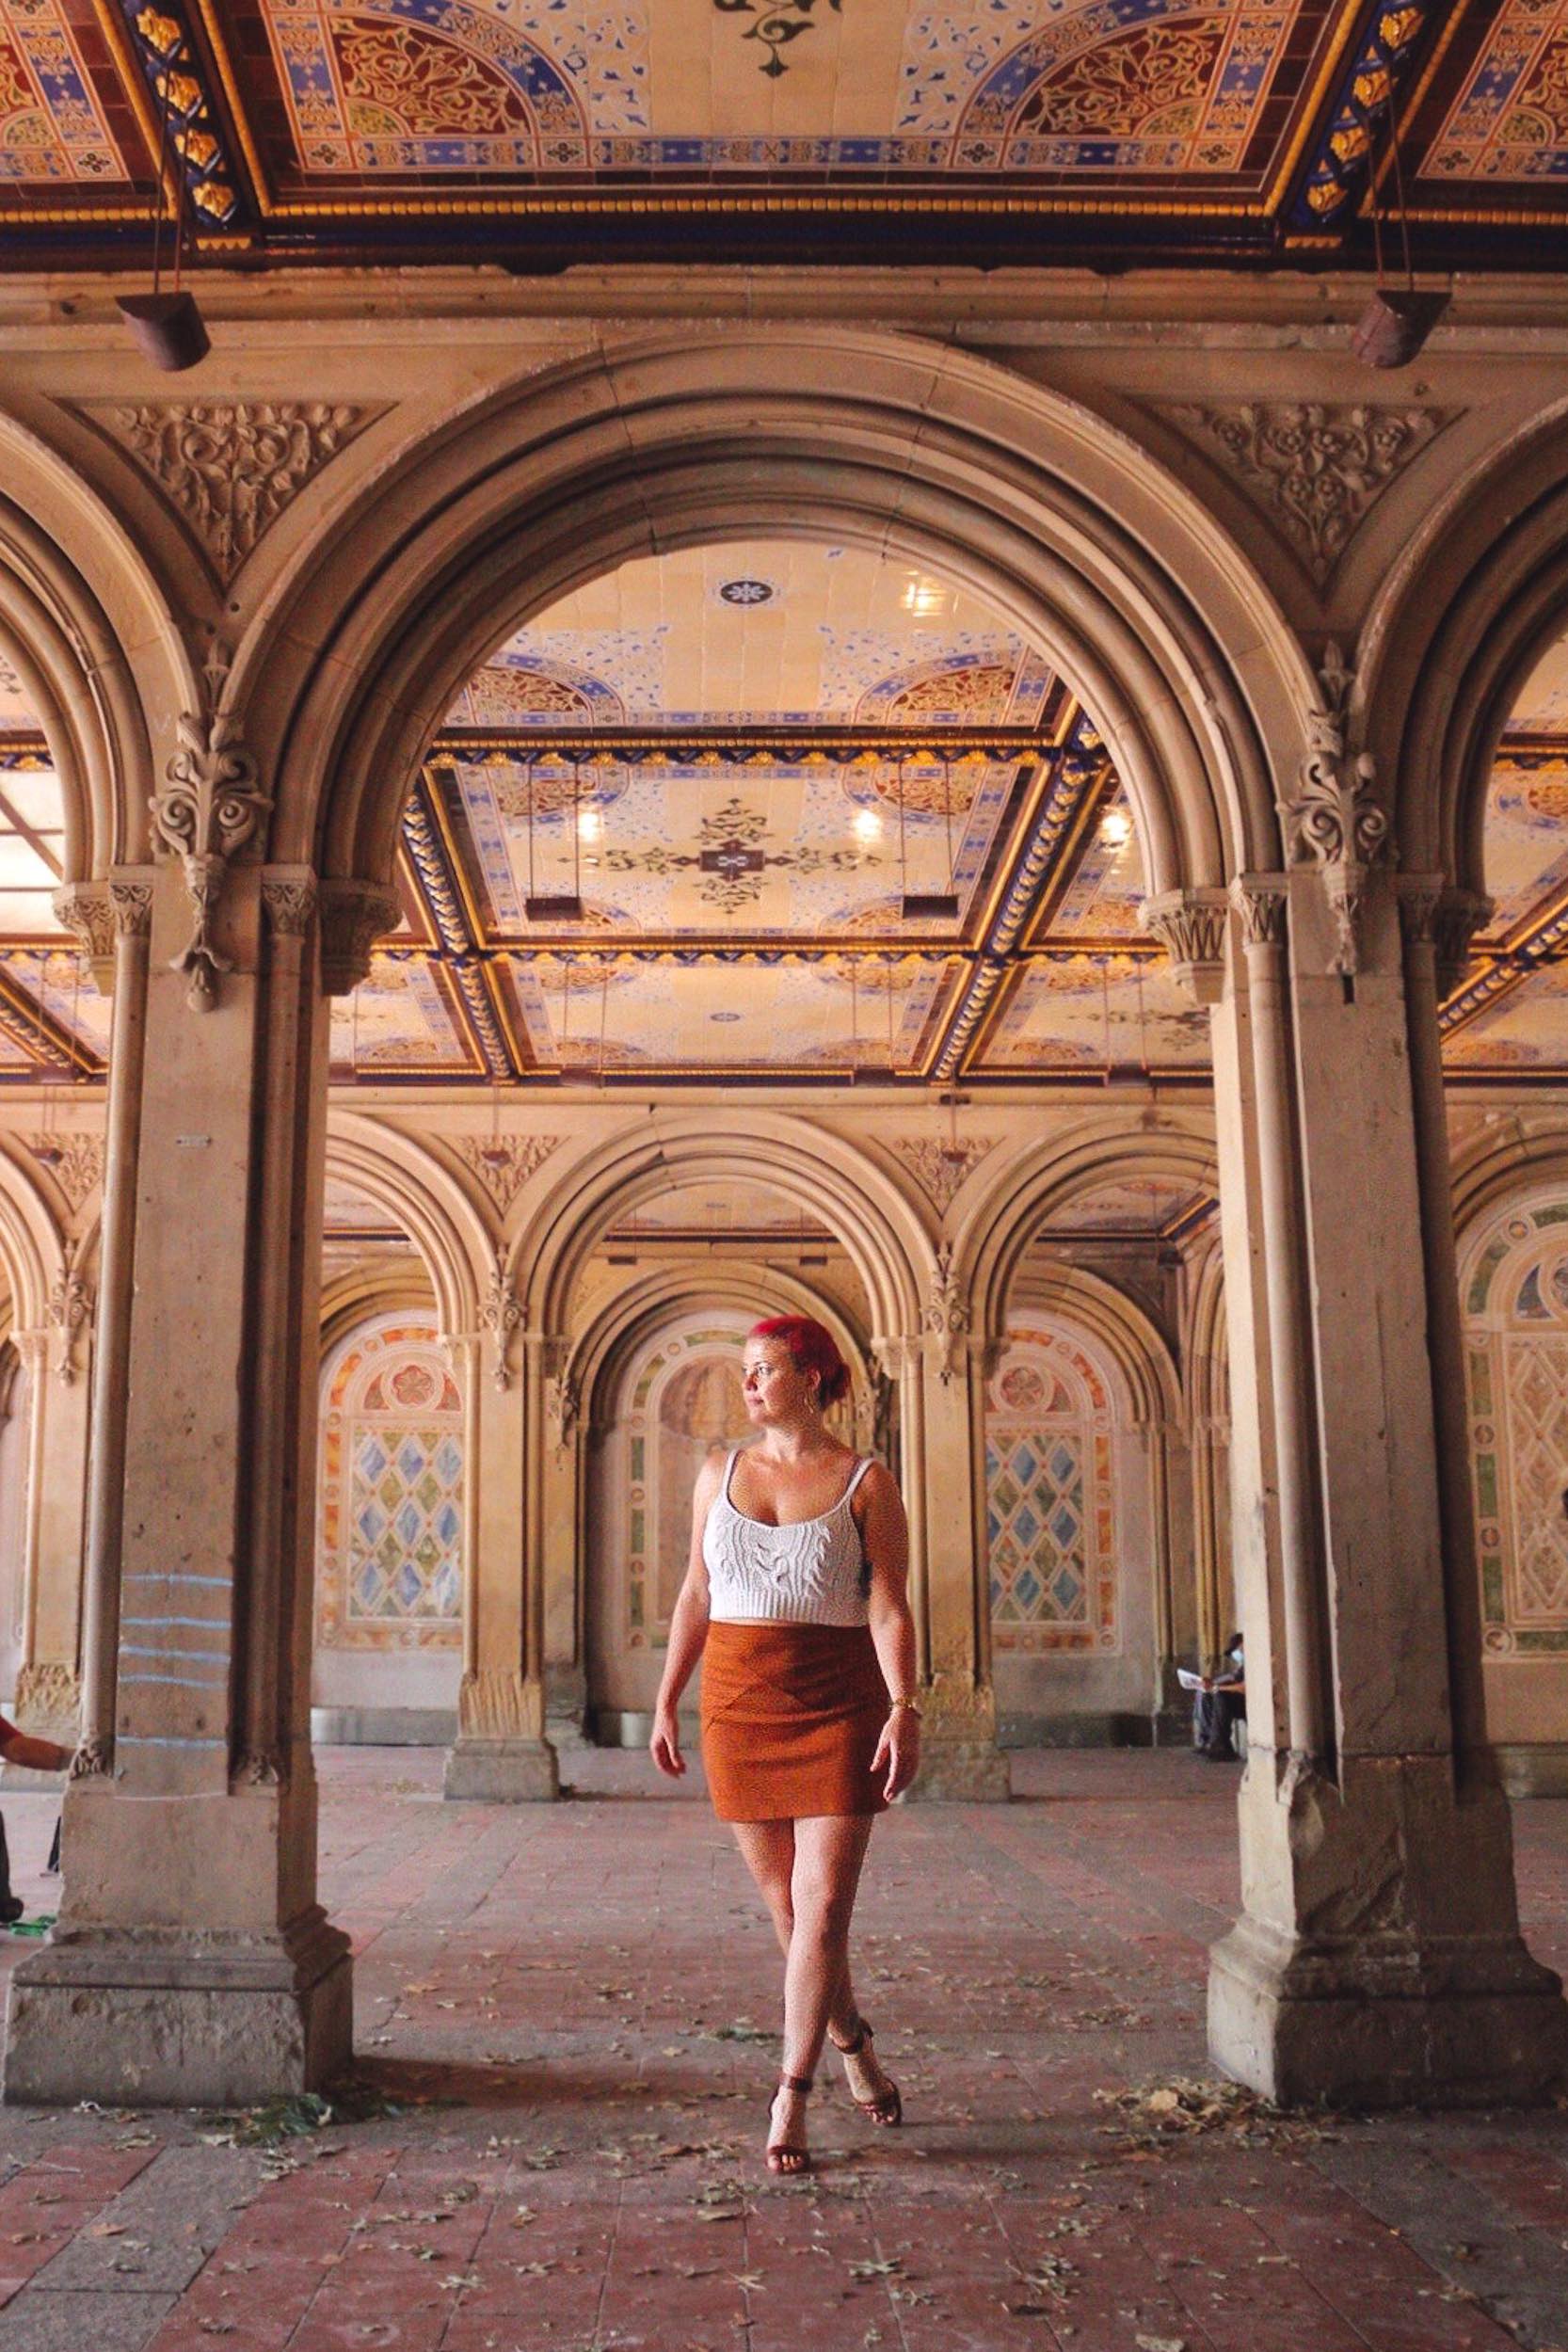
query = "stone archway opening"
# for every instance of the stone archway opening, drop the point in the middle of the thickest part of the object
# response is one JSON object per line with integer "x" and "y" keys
{"x": 1175, "y": 676}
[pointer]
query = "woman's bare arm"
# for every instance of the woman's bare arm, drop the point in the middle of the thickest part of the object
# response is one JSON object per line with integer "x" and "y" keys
{"x": 688, "y": 1628}
{"x": 39, "y": 1756}
{"x": 884, "y": 1533}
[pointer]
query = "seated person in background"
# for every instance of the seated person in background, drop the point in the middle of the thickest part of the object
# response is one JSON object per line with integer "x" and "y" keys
{"x": 1219, "y": 1704}
{"x": 39, "y": 1756}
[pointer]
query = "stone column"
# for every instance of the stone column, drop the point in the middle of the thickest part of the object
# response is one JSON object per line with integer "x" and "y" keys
{"x": 191, "y": 1961}
{"x": 944, "y": 1469}
{"x": 1175, "y": 1592}
{"x": 501, "y": 1751}
{"x": 128, "y": 905}
{"x": 1437, "y": 926}
{"x": 566, "y": 1534}
{"x": 48, "y": 1687}
{"x": 1377, "y": 1958}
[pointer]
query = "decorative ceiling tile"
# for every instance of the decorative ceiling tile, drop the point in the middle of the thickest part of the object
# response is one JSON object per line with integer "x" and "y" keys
{"x": 54, "y": 132}
{"x": 1509, "y": 121}
{"x": 1313, "y": 468}
{"x": 231, "y": 466}
{"x": 403, "y": 1022}
{"x": 1103, "y": 1013}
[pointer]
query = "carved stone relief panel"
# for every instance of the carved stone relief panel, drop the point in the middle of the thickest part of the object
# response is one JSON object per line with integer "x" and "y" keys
{"x": 231, "y": 467}
{"x": 1313, "y": 468}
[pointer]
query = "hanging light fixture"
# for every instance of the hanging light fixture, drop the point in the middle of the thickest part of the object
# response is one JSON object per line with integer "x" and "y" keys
{"x": 167, "y": 328}
{"x": 929, "y": 906}
{"x": 558, "y": 906}
{"x": 1397, "y": 320}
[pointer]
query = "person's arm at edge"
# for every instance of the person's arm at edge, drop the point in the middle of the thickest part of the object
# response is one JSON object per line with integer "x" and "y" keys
{"x": 38, "y": 1755}
{"x": 688, "y": 1628}
{"x": 884, "y": 1533}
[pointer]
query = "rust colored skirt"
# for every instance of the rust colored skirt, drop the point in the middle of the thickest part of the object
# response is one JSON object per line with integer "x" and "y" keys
{"x": 791, "y": 1718}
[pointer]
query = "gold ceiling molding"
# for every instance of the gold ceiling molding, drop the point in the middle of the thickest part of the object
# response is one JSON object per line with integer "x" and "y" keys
{"x": 503, "y": 1163}
{"x": 231, "y": 467}
{"x": 1315, "y": 469}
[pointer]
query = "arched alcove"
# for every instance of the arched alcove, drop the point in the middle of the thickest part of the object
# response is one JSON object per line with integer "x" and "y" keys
{"x": 1513, "y": 1300}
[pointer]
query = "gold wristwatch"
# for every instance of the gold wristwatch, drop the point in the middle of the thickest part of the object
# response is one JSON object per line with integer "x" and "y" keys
{"x": 911, "y": 1704}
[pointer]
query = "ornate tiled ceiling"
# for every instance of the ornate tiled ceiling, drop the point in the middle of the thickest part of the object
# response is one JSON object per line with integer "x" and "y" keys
{"x": 546, "y": 131}
{"x": 1511, "y": 1016}
{"x": 774, "y": 811}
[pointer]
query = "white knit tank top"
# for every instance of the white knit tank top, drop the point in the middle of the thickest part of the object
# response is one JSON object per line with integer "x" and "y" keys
{"x": 805, "y": 1575}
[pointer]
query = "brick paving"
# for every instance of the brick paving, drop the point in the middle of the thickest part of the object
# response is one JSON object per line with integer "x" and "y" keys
{"x": 565, "y": 2018}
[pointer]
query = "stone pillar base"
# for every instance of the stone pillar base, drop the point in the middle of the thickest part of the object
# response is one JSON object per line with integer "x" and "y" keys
{"x": 157, "y": 2019}
{"x": 965, "y": 1772}
{"x": 1387, "y": 2021}
{"x": 502, "y": 1771}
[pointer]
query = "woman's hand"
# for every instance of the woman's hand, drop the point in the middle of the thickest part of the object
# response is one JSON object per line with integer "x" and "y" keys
{"x": 665, "y": 1746}
{"x": 899, "y": 1749}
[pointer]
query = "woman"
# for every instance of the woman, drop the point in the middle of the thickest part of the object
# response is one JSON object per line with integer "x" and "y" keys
{"x": 794, "y": 1598}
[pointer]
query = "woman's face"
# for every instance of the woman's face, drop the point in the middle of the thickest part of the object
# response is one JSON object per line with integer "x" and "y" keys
{"x": 775, "y": 1388}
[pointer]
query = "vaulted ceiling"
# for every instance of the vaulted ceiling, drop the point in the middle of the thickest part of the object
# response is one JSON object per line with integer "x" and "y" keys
{"x": 784, "y": 811}
{"x": 540, "y": 133}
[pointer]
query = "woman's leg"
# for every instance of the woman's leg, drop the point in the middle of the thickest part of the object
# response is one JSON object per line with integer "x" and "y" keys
{"x": 768, "y": 1851}
{"x": 829, "y": 1851}
{"x": 768, "y": 1848}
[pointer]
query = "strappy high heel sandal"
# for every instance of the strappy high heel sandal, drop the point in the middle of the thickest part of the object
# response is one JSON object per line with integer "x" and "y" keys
{"x": 782, "y": 2156}
{"x": 887, "y": 2108}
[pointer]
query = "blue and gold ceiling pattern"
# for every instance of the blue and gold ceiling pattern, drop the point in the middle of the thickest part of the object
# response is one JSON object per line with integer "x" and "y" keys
{"x": 547, "y": 131}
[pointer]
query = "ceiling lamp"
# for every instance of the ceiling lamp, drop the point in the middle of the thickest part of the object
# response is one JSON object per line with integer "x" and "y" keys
{"x": 927, "y": 906}
{"x": 167, "y": 328}
{"x": 558, "y": 906}
{"x": 1397, "y": 320}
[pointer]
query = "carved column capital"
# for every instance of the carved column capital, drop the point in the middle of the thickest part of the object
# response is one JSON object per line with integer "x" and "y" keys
{"x": 1191, "y": 927}
{"x": 1431, "y": 915}
{"x": 1261, "y": 901}
{"x": 85, "y": 909}
{"x": 131, "y": 902}
{"x": 289, "y": 897}
{"x": 354, "y": 915}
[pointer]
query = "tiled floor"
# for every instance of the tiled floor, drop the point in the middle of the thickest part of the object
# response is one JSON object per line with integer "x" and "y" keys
{"x": 570, "y": 2011}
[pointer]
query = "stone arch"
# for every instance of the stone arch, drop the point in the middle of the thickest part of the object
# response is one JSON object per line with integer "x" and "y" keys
{"x": 1441, "y": 671}
{"x": 92, "y": 635}
{"x": 1002, "y": 1219}
{"x": 357, "y": 1297}
{"x": 1099, "y": 556}
{"x": 1120, "y": 1329}
{"x": 816, "y": 1169}
{"x": 1503, "y": 1164}
{"x": 440, "y": 1218}
{"x": 638, "y": 1310}
{"x": 32, "y": 1241}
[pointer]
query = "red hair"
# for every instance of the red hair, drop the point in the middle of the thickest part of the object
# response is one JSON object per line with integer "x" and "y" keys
{"x": 811, "y": 1348}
